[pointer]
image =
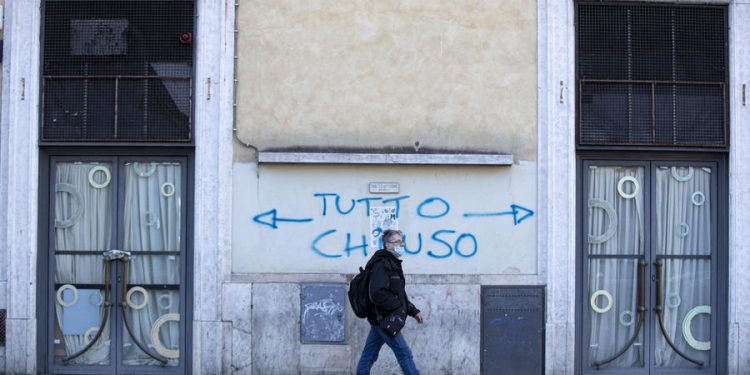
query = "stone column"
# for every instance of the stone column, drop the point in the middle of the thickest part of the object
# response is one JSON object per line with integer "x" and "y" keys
{"x": 212, "y": 206}
{"x": 557, "y": 180}
{"x": 19, "y": 179}
{"x": 739, "y": 189}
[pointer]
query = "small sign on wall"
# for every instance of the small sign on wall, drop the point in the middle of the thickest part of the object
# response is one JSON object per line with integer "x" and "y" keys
{"x": 384, "y": 187}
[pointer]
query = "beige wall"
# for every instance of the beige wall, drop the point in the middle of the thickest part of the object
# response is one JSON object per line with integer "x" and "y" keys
{"x": 448, "y": 74}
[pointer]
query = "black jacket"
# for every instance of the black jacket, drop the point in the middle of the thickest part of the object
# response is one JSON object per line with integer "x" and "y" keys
{"x": 387, "y": 285}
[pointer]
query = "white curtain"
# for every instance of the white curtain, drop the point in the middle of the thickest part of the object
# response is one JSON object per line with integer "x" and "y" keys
{"x": 615, "y": 227}
{"x": 682, "y": 218}
{"x": 683, "y": 221}
{"x": 83, "y": 215}
{"x": 152, "y": 220}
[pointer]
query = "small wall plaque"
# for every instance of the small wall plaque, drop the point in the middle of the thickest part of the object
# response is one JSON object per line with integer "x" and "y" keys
{"x": 384, "y": 187}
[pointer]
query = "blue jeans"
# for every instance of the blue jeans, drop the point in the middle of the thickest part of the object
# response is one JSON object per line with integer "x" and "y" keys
{"x": 375, "y": 341}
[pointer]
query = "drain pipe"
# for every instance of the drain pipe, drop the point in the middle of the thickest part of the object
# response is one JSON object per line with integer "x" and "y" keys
{"x": 235, "y": 81}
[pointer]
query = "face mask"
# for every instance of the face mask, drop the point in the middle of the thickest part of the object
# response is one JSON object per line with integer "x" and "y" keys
{"x": 399, "y": 251}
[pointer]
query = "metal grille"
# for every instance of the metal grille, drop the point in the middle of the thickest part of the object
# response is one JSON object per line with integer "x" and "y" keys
{"x": 651, "y": 75}
{"x": 117, "y": 70}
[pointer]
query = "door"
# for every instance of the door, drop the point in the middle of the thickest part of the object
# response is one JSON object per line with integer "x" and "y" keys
{"x": 117, "y": 265}
{"x": 650, "y": 246}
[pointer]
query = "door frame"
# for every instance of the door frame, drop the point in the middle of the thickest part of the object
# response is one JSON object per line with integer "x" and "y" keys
{"x": 719, "y": 291}
{"x": 46, "y": 155}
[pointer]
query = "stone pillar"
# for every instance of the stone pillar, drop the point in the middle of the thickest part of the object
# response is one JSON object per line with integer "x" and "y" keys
{"x": 19, "y": 178}
{"x": 739, "y": 189}
{"x": 212, "y": 206}
{"x": 557, "y": 180}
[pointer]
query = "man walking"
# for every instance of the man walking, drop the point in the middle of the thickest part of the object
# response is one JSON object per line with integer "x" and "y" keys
{"x": 388, "y": 295}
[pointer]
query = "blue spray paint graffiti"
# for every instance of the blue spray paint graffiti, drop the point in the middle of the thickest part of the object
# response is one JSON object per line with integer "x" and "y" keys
{"x": 442, "y": 244}
{"x": 515, "y": 210}
{"x": 446, "y": 208}
{"x": 270, "y": 218}
{"x": 314, "y": 245}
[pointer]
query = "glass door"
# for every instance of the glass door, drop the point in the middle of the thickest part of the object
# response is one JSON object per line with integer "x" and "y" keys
{"x": 683, "y": 257}
{"x": 117, "y": 256}
{"x": 83, "y": 216}
{"x": 616, "y": 237}
{"x": 649, "y": 267}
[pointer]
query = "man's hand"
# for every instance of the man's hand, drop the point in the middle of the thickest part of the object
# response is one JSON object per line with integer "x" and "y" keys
{"x": 419, "y": 318}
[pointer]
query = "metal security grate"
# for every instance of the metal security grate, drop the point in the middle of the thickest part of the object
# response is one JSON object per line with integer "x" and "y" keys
{"x": 651, "y": 75}
{"x": 117, "y": 70}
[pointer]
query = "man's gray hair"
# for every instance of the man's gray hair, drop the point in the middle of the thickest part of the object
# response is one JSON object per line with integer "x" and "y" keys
{"x": 389, "y": 233}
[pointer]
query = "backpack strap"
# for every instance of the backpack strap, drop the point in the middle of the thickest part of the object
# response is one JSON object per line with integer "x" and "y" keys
{"x": 370, "y": 265}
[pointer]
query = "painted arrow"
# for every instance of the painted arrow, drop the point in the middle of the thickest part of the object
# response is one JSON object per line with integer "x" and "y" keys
{"x": 519, "y": 213}
{"x": 269, "y": 218}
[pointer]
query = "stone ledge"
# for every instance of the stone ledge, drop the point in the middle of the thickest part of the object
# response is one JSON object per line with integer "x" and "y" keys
{"x": 274, "y": 157}
{"x": 296, "y": 278}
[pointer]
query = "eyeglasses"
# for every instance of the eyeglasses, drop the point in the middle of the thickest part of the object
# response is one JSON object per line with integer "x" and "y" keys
{"x": 397, "y": 242}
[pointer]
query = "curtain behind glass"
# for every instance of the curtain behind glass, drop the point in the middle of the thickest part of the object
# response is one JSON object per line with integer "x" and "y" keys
{"x": 610, "y": 211}
{"x": 683, "y": 222}
{"x": 152, "y": 219}
{"x": 92, "y": 230}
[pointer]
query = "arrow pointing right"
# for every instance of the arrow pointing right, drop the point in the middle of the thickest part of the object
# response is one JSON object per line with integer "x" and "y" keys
{"x": 519, "y": 213}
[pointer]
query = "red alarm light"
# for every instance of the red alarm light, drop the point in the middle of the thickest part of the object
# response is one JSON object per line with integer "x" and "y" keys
{"x": 186, "y": 38}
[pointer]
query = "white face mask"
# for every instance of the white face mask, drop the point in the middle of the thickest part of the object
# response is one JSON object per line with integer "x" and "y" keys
{"x": 399, "y": 251}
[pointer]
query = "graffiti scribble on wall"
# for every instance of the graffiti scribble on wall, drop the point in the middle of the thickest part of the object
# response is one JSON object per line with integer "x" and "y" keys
{"x": 443, "y": 243}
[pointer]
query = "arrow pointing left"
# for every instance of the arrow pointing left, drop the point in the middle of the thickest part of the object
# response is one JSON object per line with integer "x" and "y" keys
{"x": 270, "y": 218}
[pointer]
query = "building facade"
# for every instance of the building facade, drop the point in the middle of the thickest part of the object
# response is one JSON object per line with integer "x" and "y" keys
{"x": 188, "y": 186}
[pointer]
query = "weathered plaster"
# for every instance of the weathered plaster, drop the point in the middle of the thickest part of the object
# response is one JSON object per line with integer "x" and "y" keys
{"x": 237, "y": 310}
{"x": 446, "y": 74}
{"x": 451, "y": 313}
{"x": 275, "y": 321}
{"x": 326, "y": 359}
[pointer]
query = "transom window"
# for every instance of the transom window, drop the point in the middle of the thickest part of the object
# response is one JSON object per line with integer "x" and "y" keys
{"x": 117, "y": 71}
{"x": 651, "y": 75}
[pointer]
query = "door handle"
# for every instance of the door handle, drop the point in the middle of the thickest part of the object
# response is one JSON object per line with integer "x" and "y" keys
{"x": 640, "y": 296}
{"x": 114, "y": 254}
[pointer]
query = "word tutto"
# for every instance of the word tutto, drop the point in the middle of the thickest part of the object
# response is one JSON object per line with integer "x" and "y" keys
{"x": 433, "y": 207}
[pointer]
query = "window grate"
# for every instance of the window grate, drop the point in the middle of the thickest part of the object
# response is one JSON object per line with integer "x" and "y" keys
{"x": 117, "y": 70}
{"x": 651, "y": 75}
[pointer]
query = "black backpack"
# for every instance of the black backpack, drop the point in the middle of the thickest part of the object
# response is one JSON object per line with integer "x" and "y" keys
{"x": 359, "y": 292}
